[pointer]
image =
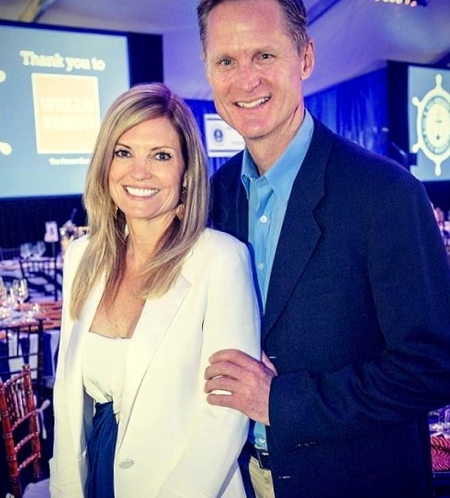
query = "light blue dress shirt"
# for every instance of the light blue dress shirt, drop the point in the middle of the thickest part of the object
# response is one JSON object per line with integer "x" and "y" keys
{"x": 268, "y": 196}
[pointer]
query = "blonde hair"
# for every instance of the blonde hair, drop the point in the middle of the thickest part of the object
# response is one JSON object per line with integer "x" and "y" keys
{"x": 106, "y": 251}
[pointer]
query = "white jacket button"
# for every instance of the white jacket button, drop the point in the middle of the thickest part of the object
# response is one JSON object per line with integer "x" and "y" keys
{"x": 126, "y": 464}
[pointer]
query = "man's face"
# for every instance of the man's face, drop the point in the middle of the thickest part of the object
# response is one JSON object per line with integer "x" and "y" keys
{"x": 255, "y": 70}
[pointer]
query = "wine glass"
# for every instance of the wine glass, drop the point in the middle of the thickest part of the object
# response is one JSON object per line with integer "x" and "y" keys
{"x": 439, "y": 421}
{"x": 3, "y": 291}
{"x": 26, "y": 250}
{"x": 10, "y": 302}
{"x": 31, "y": 312}
{"x": 20, "y": 289}
{"x": 4, "y": 311}
{"x": 40, "y": 248}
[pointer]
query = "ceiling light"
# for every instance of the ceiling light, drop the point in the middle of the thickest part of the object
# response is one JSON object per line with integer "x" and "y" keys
{"x": 409, "y": 3}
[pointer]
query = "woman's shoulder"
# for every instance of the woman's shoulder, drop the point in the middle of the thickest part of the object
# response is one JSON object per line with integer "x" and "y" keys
{"x": 78, "y": 245}
{"x": 215, "y": 251}
{"x": 221, "y": 241}
{"x": 75, "y": 249}
{"x": 218, "y": 248}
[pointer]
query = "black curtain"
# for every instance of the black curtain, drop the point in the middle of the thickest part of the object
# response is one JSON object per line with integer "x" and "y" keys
{"x": 23, "y": 220}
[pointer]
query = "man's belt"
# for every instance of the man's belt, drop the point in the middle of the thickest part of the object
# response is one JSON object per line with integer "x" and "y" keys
{"x": 261, "y": 455}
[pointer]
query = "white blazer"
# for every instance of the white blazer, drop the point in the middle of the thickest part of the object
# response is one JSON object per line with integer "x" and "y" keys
{"x": 171, "y": 442}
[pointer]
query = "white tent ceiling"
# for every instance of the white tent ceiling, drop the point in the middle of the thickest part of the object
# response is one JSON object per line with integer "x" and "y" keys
{"x": 352, "y": 37}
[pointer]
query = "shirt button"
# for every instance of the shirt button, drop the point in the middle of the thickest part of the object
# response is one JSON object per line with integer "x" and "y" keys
{"x": 126, "y": 464}
{"x": 260, "y": 266}
{"x": 263, "y": 219}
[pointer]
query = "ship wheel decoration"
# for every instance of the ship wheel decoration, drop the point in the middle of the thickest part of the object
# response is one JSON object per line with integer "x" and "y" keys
{"x": 433, "y": 125}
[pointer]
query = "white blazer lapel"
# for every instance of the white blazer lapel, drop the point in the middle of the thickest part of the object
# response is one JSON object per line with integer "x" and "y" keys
{"x": 73, "y": 368}
{"x": 154, "y": 322}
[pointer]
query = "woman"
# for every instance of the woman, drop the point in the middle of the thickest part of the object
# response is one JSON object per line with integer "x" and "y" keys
{"x": 149, "y": 295}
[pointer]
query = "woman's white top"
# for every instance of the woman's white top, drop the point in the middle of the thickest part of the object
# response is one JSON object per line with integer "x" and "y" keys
{"x": 103, "y": 366}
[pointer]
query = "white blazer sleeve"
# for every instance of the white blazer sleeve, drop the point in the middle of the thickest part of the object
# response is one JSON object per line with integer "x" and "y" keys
{"x": 208, "y": 461}
{"x": 67, "y": 462}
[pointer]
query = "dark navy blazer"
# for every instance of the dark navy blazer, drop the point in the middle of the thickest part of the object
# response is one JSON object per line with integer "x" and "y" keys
{"x": 357, "y": 323}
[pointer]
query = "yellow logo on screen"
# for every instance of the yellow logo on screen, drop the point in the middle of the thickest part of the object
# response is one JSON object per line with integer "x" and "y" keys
{"x": 66, "y": 113}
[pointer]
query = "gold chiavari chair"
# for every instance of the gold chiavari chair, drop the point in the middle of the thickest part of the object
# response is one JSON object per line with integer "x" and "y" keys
{"x": 20, "y": 432}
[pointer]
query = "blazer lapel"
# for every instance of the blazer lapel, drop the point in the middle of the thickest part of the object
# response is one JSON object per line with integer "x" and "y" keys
{"x": 154, "y": 322}
{"x": 230, "y": 205}
{"x": 242, "y": 213}
{"x": 73, "y": 368}
{"x": 300, "y": 232}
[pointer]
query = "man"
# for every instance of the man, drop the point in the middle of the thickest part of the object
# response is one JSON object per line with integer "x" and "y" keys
{"x": 351, "y": 271}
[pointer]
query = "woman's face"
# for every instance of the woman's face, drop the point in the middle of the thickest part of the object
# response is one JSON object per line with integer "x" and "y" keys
{"x": 146, "y": 173}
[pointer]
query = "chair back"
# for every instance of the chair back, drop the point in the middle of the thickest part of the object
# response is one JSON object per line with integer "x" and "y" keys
{"x": 7, "y": 253}
{"x": 23, "y": 344}
{"x": 42, "y": 275}
{"x": 20, "y": 428}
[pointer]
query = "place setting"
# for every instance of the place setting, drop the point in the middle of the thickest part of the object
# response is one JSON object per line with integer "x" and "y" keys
{"x": 14, "y": 310}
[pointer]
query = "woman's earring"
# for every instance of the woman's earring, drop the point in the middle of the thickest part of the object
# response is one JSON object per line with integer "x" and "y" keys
{"x": 181, "y": 208}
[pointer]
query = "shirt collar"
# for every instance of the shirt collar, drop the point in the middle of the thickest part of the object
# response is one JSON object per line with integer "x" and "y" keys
{"x": 282, "y": 174}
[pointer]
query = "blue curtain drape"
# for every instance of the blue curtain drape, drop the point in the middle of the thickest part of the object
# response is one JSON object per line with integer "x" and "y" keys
{"x": 356, "y": 109}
